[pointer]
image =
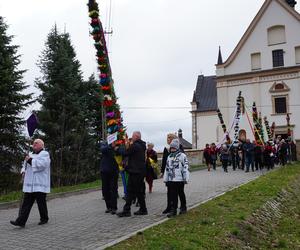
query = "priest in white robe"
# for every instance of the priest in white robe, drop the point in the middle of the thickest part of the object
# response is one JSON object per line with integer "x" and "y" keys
{"x": 36, "y": 184}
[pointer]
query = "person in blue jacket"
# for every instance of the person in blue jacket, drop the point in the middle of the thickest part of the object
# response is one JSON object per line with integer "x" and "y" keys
{"x": 249, "y": 155}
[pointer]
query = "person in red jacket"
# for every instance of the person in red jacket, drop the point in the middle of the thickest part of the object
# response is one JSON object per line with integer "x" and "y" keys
{"x": 213, "y": 155}
{"x": 207, "y": 156}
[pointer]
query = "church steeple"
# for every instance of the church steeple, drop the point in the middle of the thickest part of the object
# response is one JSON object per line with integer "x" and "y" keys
{"x": 291, "y": 3}
{"x": 220, "y": 59}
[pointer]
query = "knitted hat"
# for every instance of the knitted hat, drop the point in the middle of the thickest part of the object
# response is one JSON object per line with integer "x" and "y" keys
{"x": 174, "y": 144}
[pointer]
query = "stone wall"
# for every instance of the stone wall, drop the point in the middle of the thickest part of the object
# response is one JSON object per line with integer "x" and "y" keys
{"x": 195, "y": 156}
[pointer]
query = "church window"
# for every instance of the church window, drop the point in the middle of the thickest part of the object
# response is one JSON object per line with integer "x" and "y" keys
{"x": 276, "y": 35}
{"x": 255, "y": 61}
{"x": 278, "y": 59}
{"x": 297, "y": 52}
{"x": 280, "y": 105}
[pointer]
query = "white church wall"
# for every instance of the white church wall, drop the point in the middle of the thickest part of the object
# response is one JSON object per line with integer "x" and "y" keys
{"x": 258, "y": 41}
{"x": 259, "y": 92}
{"x": 206, "y": 129}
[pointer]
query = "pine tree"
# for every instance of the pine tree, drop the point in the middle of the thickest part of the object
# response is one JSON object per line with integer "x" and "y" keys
{"x": 64, "y": 115}
{"x": 92, "y": 103}
{"x": 13, "y": 102}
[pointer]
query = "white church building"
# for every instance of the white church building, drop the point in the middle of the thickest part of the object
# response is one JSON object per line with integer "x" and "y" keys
{"x": 265, "y": 67}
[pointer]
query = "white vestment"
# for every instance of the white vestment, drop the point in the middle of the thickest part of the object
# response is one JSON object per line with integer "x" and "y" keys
{"x": 37, "y": 175}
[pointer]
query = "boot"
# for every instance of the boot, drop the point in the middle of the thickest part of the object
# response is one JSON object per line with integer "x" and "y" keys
{"x": 166, "y": 211}
{"x": 173, "y": 213}
{"x": 141, "y": 212}
{"x": 124, "y": 214}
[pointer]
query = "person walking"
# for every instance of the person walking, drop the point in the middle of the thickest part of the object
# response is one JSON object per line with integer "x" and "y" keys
{"x": 268, "y": 155}
{"x": 207, "y": 156}
{"x": 224, "y": 156}
{"x": 177, "y": 175}
{"x": 109, "y": 171}
{"x": 249, "y": 151}
{"x": 213, "y": 154}
{"x": 283, "y": 151}
{"x": 235, "y": 159}
{"x": 150, "y": 161}
{"x": 258, "y": 157}
{"x": 136, "y": 169}
{"x": 36, "y": 184}
{"x": 166, "y": 153}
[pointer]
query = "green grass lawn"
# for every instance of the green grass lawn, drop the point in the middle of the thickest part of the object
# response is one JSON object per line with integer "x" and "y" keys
{"x": 14, "y": 196}
{"x": 233, "y": 221}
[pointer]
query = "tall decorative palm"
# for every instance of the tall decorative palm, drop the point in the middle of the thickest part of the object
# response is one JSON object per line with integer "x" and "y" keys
{"x": 114, "y": 122}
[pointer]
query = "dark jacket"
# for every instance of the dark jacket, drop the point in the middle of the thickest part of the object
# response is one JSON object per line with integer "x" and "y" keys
{"x": 164, "y": 160}
{"x": 248, "y": 149}
{"x": 108, "y": 162}
{"x": 136, "y": 158}
{"x": 257, "y": 152}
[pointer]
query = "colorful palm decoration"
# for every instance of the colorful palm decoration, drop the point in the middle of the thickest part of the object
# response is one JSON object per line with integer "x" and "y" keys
{"x": 114, "y": 122}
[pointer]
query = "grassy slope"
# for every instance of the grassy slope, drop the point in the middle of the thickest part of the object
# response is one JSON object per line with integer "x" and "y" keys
{"x": 213, "y": 224}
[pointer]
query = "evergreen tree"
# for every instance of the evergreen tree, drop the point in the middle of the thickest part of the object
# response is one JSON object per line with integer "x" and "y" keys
{"x": 65, "y": 113}
{"x": 12, "y": 102}
{"x": 92, "y": 101}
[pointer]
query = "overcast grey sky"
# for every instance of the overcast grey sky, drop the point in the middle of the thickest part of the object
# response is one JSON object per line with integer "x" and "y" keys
{"x": 157, "y": 50}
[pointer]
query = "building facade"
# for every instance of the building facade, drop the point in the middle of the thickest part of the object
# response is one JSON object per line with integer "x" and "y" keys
{"x": 265, "y": 67}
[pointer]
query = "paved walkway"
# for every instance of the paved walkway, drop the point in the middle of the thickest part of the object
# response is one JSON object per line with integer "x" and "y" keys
{"x": 79, "y": 222}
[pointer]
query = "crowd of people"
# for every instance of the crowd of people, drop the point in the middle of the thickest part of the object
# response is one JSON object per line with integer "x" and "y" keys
{"x": 248, "y": 155}
{"x": 139, "y": 164}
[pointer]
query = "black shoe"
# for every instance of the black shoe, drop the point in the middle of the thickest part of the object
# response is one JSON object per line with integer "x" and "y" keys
{"x": 183, "y": 211}
{"x": 124, "y": 214}
{"x": 16, "y": 224}
{"x": 108, "y": 210}
{"x": 113, "y": 211}
{"x": 141, "y": 212}
{"x": 172, "y": 214}
{"x": 43, "y": 222}
{"x": 166, "y": 211}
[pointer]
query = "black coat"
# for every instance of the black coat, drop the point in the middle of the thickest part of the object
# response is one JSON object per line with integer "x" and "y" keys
{"x": 136, "y": 158}
{"x": 108, "y": 161}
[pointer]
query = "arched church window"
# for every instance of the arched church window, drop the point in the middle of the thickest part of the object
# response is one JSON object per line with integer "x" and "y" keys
{"x": 279, "y": 86}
